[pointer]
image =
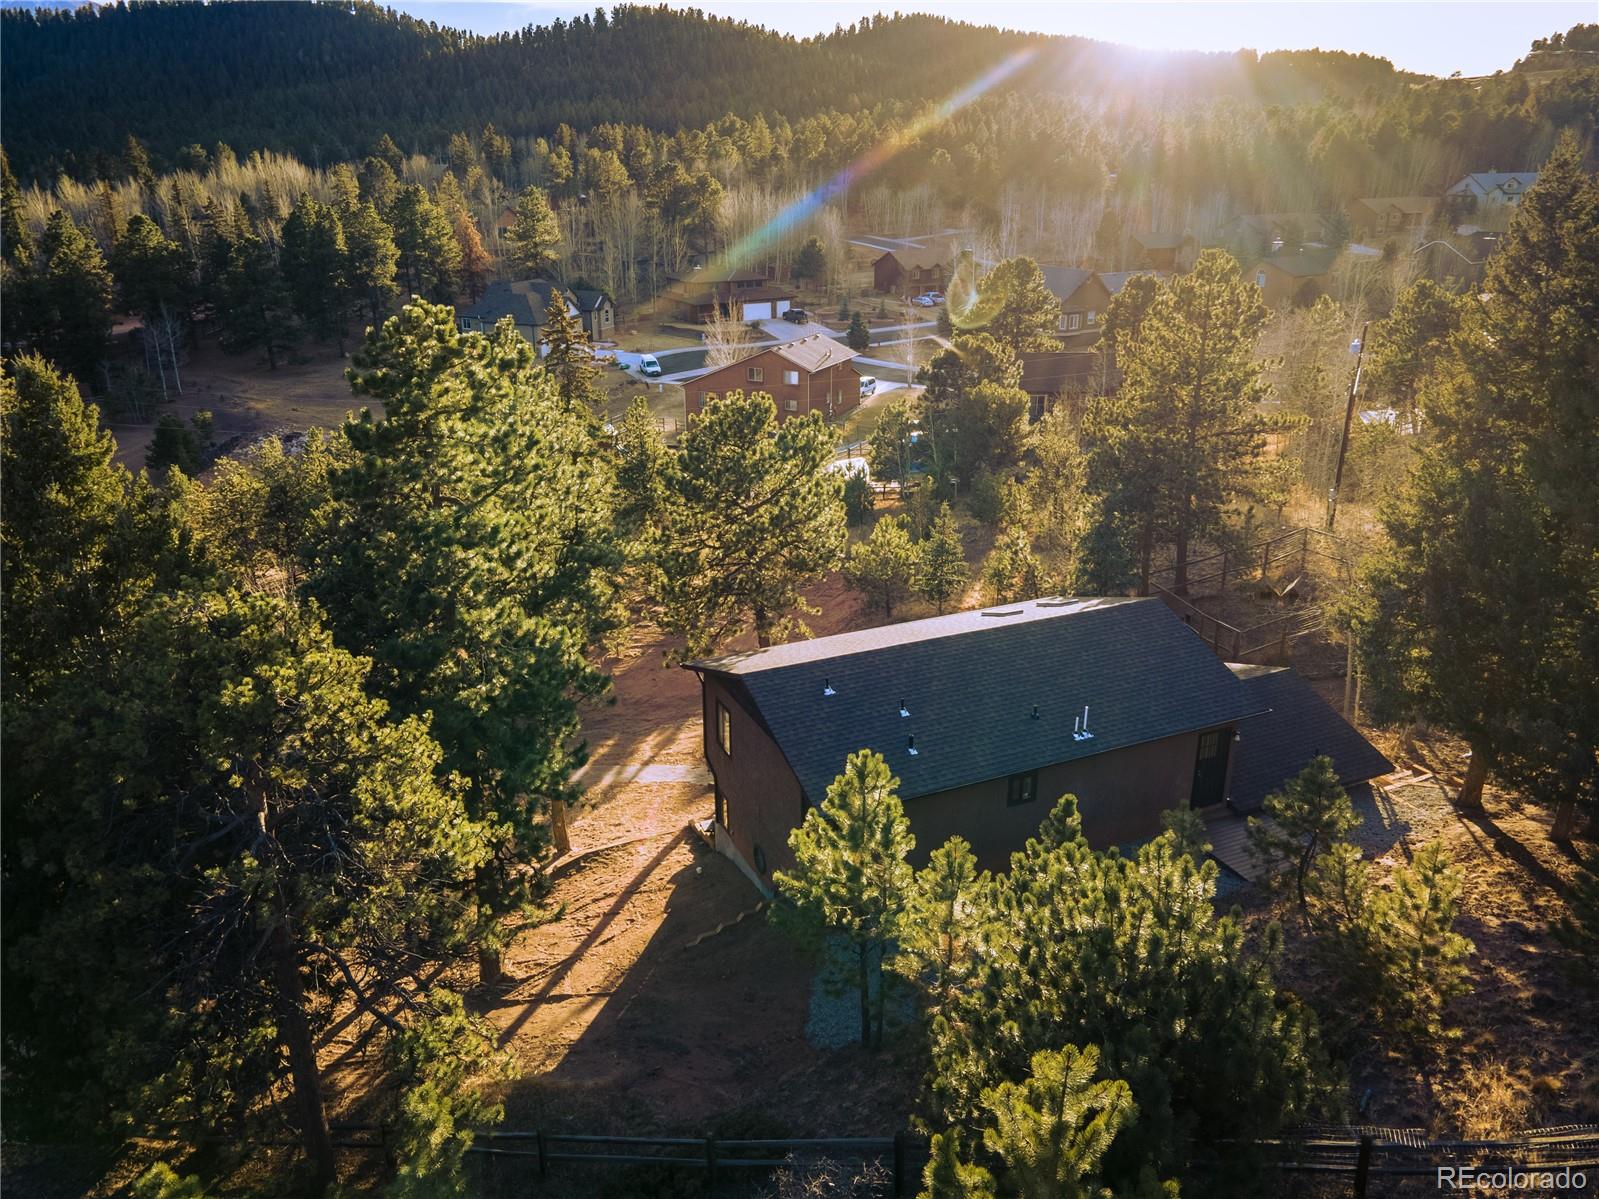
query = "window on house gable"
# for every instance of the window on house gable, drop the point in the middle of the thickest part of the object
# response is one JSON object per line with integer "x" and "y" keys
{"x": 1021, "y": 789}
{"x": 724, "y": 728}
{"x": 755, "y": 374}
{"x": 791, "y": 378}
{"x": 1074, "y": 321}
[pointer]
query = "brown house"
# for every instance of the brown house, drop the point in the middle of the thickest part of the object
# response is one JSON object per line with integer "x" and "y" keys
{"x": 1083, "y": 296}
{"x": 988, "y": 717}
{"x": 1390, "y": 216}
{"x": 1297, "y": 277}
{"x": 1048, "y": 375}
{"x": 812, "y": 374}
{"x": 598, "y": 313}
{"x": 1165, "y": 251}
{"x": 911, "y": 271}
{"x": 743, "y": 295}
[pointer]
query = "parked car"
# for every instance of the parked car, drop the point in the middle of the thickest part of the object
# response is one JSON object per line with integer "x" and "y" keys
{"x": 648, "y": 366}
{"x": 798, "y": 315}
{"x": 925, "y": 300}
{"x": 868, "y": 384}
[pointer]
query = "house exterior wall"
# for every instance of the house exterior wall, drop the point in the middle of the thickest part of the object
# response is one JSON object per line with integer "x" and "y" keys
{"x": 1279, "y": 287}
{"x": 889, "y": 275}
{"x": 760, "y": 797}
{"x": 1120, "y": 795}
{"x": 1082, "y": 312}
{"x": 832, "y": 392}
{"x": 601, "y": 322}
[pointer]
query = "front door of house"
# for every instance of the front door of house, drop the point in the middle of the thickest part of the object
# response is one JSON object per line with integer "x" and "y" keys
{"x": 1210, "y": 768}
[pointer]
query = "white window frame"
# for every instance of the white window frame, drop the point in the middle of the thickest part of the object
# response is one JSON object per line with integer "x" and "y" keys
{"x": 791, "y": 378}
{"x": 755, "y": 374}
{"x": 1074, "y": 322}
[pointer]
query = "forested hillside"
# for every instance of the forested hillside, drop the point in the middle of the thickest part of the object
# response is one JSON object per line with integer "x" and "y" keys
{"x": 322, "y": 81}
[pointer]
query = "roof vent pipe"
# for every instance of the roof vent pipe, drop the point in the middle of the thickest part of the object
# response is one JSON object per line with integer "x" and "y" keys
{"x": 1035, "y": 711}
{"x": 910, "y": 745}
{"x": 903, "y": 710}
{"x": 827, "y": 688}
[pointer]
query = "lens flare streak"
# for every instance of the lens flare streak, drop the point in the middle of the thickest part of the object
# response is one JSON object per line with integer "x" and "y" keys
{"x": 807, "y": 205}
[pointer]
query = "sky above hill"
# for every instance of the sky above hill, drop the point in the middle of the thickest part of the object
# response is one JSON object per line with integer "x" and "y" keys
{"x": 1434, "y": 38}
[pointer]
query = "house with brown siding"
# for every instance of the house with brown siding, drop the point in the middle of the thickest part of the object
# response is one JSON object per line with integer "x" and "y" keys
{"x": 1297, "y": 277}
{"x": 1384, "y": 217}
{"x": 911, "y": 271}
{"x": 812, "y": 374}
{"x": 743, "y": 295}
{"x": 987, "y": 717}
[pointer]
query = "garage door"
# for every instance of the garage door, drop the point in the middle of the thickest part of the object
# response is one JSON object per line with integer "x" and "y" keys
{"x": 782, "y": 307}
{"x": 757, "y": 312}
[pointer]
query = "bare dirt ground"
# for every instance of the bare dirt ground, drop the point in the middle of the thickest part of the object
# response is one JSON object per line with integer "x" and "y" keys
{"x": 625, "y": 1015}
{"x": 246, "y": 398}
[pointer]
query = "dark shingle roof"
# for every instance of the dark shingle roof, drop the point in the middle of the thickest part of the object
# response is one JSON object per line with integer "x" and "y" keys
{"x": 1063, "y": 281}
{"x": 1277, "y": 744}
{"x": 1307, "y": 263}
{"x": 924, "y": 257}
{"x": 527, "y": 301}
{"x": 970, "y": 680}
{"x": 1114, "y": 281}
{"x": 588, "y": 301}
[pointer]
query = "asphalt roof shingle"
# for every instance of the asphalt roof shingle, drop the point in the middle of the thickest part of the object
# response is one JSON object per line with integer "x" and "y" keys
{"x": 970, "y": 682}
{"x": 1297, "y": 726}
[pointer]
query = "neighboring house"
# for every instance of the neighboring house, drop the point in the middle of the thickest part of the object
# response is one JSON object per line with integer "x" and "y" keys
{"x": 911, "y": 271}
{"x": 1390, "y": 216}
{"x": 1165, "y": 251}
{"x": 1487, "y": 188}
{"x": 525, "y": 301}
{"x": 1455, "y": 265}
{"x": 1297, "y": 277}
{"x": 740, "y": 294}
{"x": 812, "y": 374}
{"x": 598, "y": 311}
{"x": 1048, "y": 375}
{"x": 1083, "y": 296}
{"x": 981, "y": 715}
{"x": 1264, "y": 233}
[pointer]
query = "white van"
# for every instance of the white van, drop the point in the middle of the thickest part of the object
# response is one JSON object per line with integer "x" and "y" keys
{"x": 648, "y": 366}
{"x": 868, "y": 385}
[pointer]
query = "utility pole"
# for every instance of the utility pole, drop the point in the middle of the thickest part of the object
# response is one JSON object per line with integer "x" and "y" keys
{"x": 1349, "y": 416}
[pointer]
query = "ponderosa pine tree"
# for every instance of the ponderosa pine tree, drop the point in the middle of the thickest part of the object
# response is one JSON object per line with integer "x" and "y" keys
{"x": 1127, "y": 953}
{"x": 69, "y": 300}
{"x": 883, "y": 565}
{"x": 949, "y": 912}
{"x": 644, "y": 469}
{"x": 755, "y": 517}
{"x": 1184, "y": 435}
{"x": 941, "y": 570}
{"x": 481, "y": 487}
{"x": 1504, "y": 501}
{"x": 534, "y": 238}
{"x": 569, "y": 358}
{"x": 278, "y": 847}
{"x": 429, "y": 255}
{"x": 16, "y": 244}
{"x": 380, "y": 184}
{"x": 247, "y": 288}
{"x": 1016, "y": 307}
{"x": 890, "y": 450}
{"x": 315, "y": 262}
{"x": 810, "y": 262}
{"x": 155, "y": 278}
{"x": 1412, "y": 342}
{"x": 1302, "y": 821}
{"x": 851, "y": 876}
{"x": 373, "y": 258}
{"x": 1013, "y": 571}
{"x": 1051, "y": 1130}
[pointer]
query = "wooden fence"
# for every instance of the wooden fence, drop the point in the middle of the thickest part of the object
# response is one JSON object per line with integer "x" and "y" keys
{"x": 1361, "y": 1153}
